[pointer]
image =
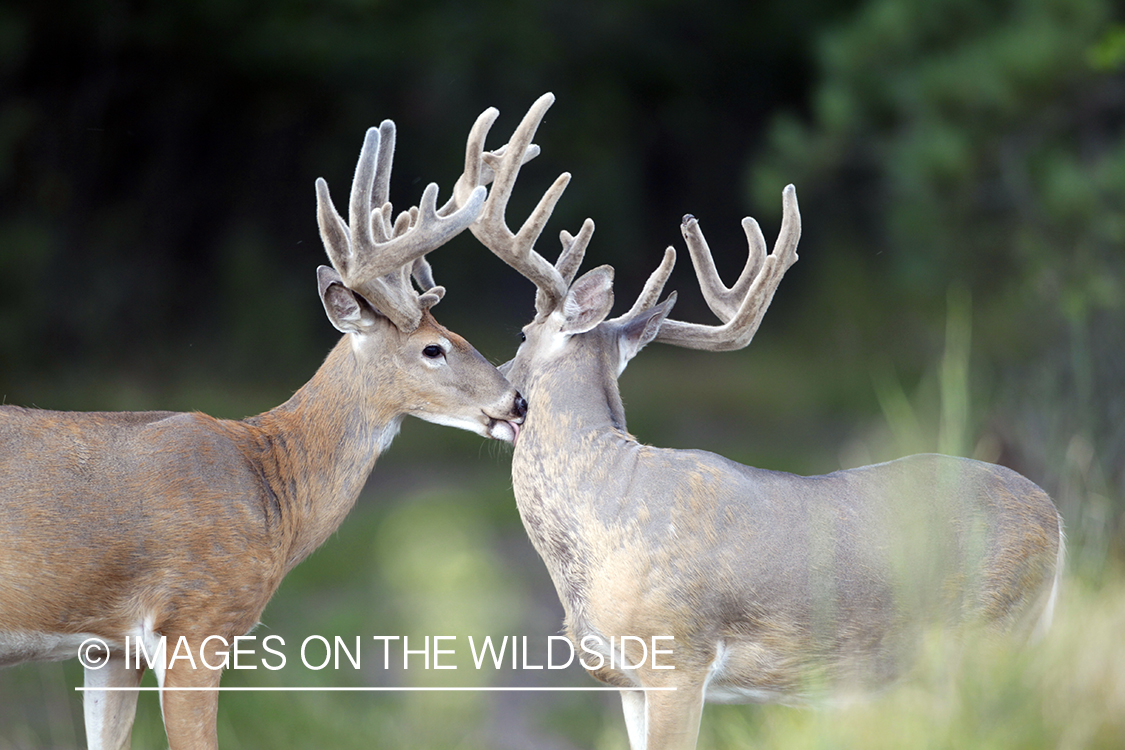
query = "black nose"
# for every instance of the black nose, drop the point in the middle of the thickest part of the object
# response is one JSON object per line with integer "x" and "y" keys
{"x": 521, "y": 406}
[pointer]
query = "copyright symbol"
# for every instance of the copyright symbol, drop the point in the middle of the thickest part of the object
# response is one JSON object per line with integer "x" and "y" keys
{"x": 93, "y": 653}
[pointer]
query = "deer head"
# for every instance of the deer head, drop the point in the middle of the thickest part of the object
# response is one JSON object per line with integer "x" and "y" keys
{"x": 369, "y": 294}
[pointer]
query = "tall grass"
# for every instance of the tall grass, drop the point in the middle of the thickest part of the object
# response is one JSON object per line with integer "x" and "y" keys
{"x": 1066, "y": 691}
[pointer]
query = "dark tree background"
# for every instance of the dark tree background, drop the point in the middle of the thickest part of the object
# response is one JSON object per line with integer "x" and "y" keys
{"x": 157, "y": 159}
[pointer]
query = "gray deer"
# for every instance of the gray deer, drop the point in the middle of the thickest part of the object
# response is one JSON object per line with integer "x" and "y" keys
{"x": 774, "y": 587}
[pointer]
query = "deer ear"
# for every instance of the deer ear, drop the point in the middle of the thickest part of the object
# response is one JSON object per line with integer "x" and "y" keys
{"x": 588, "y": 301}
{"x": 641, "y": 329}
{"x": 347, "y": 311}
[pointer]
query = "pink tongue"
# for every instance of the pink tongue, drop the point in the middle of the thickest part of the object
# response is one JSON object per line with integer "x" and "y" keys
{"x": 515, "y": 432}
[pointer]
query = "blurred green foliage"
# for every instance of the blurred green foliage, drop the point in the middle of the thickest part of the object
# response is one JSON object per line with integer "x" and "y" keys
{"x": 961, "y": 172}
{"x": 977, "y": 143}
{"x": 956, "y": 145}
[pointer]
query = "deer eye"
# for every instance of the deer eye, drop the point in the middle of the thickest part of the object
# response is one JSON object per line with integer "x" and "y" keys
{"x": 523, "y": 337}
{"x": 433, "y": 351}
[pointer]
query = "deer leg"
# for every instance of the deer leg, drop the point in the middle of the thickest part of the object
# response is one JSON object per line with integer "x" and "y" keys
{"x": 672, "y": 718}
{"x": 190, "y": 715}
{"x": 109, "y": 714}
{"x": 633, "y": 705}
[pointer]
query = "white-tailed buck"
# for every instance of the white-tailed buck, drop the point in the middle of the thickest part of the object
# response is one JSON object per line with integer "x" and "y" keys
{"x": 158, "y": 525}
{"x": 775, "y": 587}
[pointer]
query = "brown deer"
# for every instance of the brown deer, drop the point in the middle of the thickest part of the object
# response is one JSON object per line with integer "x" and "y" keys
{"x": 160, "y": 524}
{"x": 774, "y": 587}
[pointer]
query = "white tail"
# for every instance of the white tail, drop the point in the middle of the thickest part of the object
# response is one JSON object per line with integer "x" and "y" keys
{"x": 774, "y": 587}
{"x": 158, "y": 524}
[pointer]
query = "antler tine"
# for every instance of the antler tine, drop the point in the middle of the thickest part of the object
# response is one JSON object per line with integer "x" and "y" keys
{"x": 477, "y": 172}
{"x": 517, "y": 250}
{"x": 374, "y": 256}
{"x": 333, "y": 231}
{"x": 740, "y": 325}
{"x": 368, "y": 204}
{"x": 653, "y": 287}
{"x": 567, "y": 265}
{"x": 723, "y": 301}
{"x": 574, "y": 250}
{"x": 423, "y": 274}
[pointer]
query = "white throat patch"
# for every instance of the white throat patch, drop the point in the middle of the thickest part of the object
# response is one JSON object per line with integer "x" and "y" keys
{"x": 552, "y": 341}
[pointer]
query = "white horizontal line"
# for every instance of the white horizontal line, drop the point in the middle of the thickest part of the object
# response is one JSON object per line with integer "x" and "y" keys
{"x": 369, "y": 689}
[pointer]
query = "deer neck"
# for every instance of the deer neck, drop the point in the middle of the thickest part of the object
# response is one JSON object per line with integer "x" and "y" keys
{"x": 319, "y": 447}
{"x": 572, "y": 450}
{"x": 574, "y": 394}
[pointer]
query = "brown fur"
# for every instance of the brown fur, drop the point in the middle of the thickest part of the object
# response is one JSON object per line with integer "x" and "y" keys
{"x": 191, "y": 522}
